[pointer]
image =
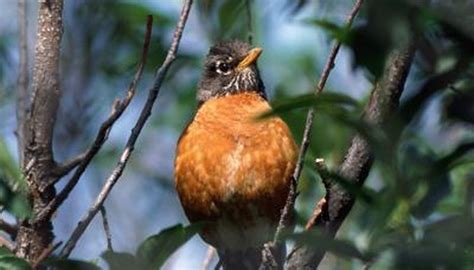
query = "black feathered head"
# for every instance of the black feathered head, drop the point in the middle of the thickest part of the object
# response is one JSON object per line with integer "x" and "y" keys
{"x": 230, "y": 68}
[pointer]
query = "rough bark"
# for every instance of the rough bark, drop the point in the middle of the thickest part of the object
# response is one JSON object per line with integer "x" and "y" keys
{"x": 38, "y": 165}
{"x": 383, "y": 103}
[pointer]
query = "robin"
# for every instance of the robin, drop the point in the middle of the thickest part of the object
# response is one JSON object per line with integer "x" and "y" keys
{"x": 232, "y": 170}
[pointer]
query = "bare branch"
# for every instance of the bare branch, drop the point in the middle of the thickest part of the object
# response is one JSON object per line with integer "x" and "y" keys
{"x": 45, "y": 254}
{"x": 8, "y": 228}
{"x": 63, "y": 169}
{"x": 285, "y": 219}
{"x": 105, "y": 223}
{"x": 144, "y": 115}
{"x": 37, "y": 133}
{"x": 22, "y": 94}
{"x": 117, "y": 110}
{"x": 322, "y": 169}
{"x": 45, "y": 85}
{"x": 338, "y": 202}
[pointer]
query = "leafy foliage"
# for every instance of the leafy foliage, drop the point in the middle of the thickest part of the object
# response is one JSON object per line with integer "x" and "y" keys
{"x": 12, "y": 185}
{"x": 9, "y": 261}
{"x": 154, "y": 251}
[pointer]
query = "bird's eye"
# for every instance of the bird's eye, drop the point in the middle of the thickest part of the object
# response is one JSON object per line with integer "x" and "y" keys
{"x": 222, "y": 68}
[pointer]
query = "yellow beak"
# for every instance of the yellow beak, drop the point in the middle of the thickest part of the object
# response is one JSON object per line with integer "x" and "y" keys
{"x": 250, "y": 58}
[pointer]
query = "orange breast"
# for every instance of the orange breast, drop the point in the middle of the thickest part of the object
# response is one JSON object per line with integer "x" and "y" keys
{"x": 233, "y": 169}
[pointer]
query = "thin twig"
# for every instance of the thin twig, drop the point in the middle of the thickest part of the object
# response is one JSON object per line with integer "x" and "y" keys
{"x": 117, "y": 110}
{"x": 8, "y": 228}
{"x": 22, "y": 95}
{"x": 144, "y": 115}
{"x": 322, "y": 170}
{"x": 45, "y": 254}
{"x": 210, "y": 254}
{"x": 285, "y": 218}
{"x": 317, "y": 211}
{"x": 105, "y": 223}
{"x": 69, "y": 165}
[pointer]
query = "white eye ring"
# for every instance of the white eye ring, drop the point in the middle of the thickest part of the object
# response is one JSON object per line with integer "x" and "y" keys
{"x": 222, "y": 68}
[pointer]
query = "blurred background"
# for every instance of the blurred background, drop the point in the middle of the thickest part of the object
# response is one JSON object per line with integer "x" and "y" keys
{"x": 101, "y": 45}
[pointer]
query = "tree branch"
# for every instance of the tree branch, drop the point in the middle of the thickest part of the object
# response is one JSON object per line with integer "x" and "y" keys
{"x": 117, "y": 110}
{"x": 287, "y": 213}
{"x": 8, "y": 228}
{"x": 45, "y": 254}
{"x": 144, "y": 115}
{"x": 69, "y": 165}
{"x": 39, "y": 125}
{"x": 286, "y": 218}
{"x": 22, "y": 88}
{"x": 358, "y": 160}
{"x": 105, "y": 223}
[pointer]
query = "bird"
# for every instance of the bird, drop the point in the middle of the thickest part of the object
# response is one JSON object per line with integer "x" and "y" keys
{"x": 233, "y": 170}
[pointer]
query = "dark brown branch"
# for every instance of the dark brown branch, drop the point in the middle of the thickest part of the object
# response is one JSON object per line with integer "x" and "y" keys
{"x": 144, "y": 115}
{"x": 105, "y": 223}
{"x": 323, "y": 172}
{"x": 8, "y": 228}
{"x": 117, "y": 110}
{"x": 38, "y": 129}
{"x": 22, "y": 88}
{"x": 285, "y": 219}
{"x": 69, "y": 165}
{"x": 358, "y": 160}
{"x": 45, "y": 254}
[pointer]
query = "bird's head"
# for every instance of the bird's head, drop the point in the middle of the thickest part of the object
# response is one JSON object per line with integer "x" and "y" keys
{"x": 230, "y": 68}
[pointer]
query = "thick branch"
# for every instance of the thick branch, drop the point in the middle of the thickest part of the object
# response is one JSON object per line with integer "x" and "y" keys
{"x": 38, "y": 129}
{"x": 144, "y": 115}
{"x": 45, "y": 85}
{"x": 382, "y": 104}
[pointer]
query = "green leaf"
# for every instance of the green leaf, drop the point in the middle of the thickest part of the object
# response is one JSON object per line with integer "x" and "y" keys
{"x": 156, "y": 249}
{"x": 17, "y": 204}
{"x": 340, "y": 33}
{"x": 328, "y": 101}
{"x": 9, "y": 169}
{"x": 13, "y": 263}
{"x": 121, "y": 261}
{"x": 69, "y": 264}
{"x": 9, "y": 261}
{"x": 5, "y": 252}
